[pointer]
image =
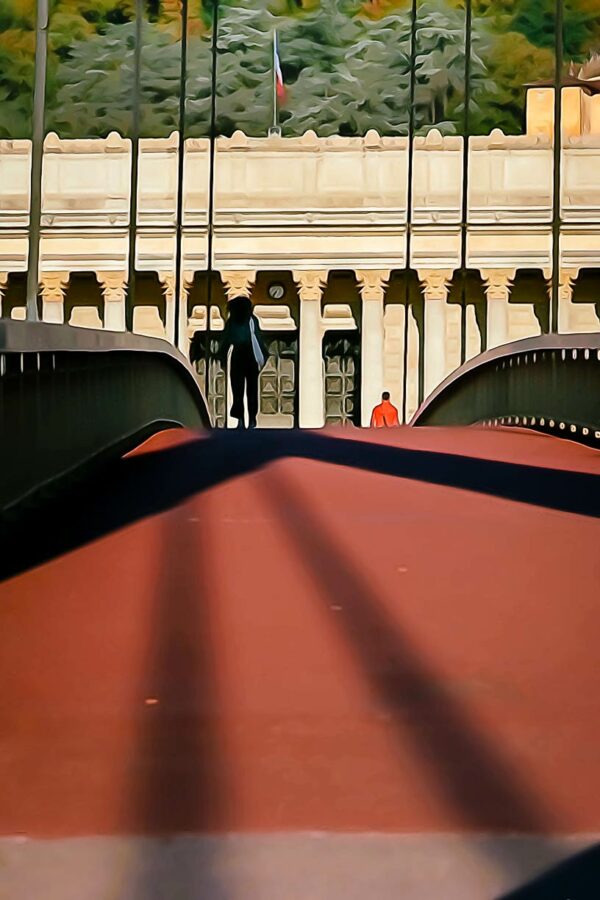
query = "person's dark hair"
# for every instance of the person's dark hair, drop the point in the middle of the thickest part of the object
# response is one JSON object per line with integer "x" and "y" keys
{"x": 385, "y": 395}
{"x": 240, "y": 309}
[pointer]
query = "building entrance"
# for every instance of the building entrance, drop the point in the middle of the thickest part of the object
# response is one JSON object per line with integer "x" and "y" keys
{"x": 215, "y": 391}
{"x": 278, "y": 381}
{"x": 341, "y": 355}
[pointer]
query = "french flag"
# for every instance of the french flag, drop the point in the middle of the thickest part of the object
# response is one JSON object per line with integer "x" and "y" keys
{"x": 279, "y": 85}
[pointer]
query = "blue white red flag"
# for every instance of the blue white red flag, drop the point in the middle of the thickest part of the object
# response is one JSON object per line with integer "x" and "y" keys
{"x": 279, "y": 85}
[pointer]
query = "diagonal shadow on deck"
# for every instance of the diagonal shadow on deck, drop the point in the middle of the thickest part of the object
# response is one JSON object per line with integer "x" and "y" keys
{"x": 437, "y": 725}
{"x": 473, "y": 775}
{"x": 145, "y": 485}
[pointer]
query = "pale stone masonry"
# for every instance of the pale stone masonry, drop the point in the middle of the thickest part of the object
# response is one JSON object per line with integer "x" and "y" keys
{"x": 304, "y": 209}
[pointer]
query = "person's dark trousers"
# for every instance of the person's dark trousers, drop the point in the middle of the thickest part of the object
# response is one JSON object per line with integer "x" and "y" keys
{"x": 244, "y": 379}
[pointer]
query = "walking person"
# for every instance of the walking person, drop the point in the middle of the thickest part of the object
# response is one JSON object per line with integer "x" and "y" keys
{"x": 248, "y": 356}
{"x": 385, "y": 414}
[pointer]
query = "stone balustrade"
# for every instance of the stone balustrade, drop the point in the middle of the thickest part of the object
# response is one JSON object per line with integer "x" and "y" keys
{"x": 307, "y": 180}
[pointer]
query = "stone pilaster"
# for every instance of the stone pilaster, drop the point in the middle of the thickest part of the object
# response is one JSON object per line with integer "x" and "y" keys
{"x": 311, "y": 377}
{"x": 498, "y": 284}
{"x": 53, "y": 289}
{"x": 372, "y": 284}
{"x": 114, "y": 291}
{"x": 238, "y": 284}
{"x": 436, "y": 285}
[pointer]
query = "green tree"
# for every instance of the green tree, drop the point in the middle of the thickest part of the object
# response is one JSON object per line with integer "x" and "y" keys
{"x": 17, "y": 56}
{"x": 345, "y": 62}
{"x": 536, "y": 20}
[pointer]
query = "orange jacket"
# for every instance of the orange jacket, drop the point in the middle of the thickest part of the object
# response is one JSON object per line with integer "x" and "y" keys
{"x": 384, "y": 416}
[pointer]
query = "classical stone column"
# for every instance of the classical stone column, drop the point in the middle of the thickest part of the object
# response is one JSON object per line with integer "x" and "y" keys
{"x": 54, "y": 285}
{"x": 311, "y": 376}
{"x": 498, "y": 283}
{"x": 167, "y": 280}
{"x": 566, "y": 285}
{"x": 372, "y": 284}
{"x": 3, "y": 284}
{"x": 436, "y": 284}
{"x": 114, "y": 291}
{"x": 238, "y": 284}
{"x": 183, "y": 340}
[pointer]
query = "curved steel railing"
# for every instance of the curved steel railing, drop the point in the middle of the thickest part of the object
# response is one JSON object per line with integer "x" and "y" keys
{"x": 71, "y": 396}
{"x": 550, "y": 383}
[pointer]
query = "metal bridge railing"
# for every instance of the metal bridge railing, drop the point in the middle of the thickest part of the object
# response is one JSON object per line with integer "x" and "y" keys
{"x": 71, "y": 396}
{"x": 550, "y": 383}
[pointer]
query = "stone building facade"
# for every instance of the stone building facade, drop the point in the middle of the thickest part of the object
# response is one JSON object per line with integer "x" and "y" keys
{"x": 317, "y": 232}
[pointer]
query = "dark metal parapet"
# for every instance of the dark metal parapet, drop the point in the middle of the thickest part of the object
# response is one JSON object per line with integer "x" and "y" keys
{"x": 69, "y": 396}
{"x": 550, "y": 383}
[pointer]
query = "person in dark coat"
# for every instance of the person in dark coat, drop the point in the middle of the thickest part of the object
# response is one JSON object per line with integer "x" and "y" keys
{"x": 248, "y": 356}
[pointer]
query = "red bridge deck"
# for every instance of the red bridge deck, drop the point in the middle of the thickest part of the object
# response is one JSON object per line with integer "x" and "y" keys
{"x": 393, "y": 648}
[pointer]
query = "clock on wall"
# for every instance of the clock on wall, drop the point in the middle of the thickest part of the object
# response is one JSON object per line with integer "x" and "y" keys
{"x": 276, "y": 290}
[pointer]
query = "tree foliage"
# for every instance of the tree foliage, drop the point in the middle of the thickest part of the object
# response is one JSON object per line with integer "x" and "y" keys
{"x": 346, "y": 64}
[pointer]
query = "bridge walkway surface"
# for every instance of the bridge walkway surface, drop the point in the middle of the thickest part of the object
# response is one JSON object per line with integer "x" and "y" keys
{"x": 305, "y": 666}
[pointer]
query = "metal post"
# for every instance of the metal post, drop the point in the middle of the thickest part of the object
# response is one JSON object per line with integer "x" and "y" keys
{"x": 180, "y": 171}
{"x": 409, "y": 196}
{"x": 464, "y": 216}
{"x": 275, "y": 122}
{"x": 211, "y": 198}
{"x": 37, "y": 152}
{"x": 135, "y": 154}
{"x": 557, "y": 198}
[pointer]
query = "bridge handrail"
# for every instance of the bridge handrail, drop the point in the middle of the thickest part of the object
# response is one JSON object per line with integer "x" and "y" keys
{"x": 525, "y": 383}
{"x": 71, "y": 396}
{"x": 45, "y": 337}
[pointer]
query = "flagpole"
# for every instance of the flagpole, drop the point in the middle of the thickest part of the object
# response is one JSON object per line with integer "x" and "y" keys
{"x": 275, "y": 116}
{"x": 37, "y": 155}
{"x": 179, "y": 302}
{"x": 135, "y": 163}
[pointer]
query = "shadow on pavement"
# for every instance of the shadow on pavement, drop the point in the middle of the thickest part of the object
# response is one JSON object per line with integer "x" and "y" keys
{"x": 176, "y": 777}
{"x": 151, "y": 483}
{"x": 578, "y": 878}
{"x": 482, "y": 786}
{"x": 170, "y": 795}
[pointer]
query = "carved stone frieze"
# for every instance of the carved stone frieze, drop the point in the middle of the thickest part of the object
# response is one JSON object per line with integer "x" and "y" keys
{"x": 238, "y": 283}
{"x": 113, "y": 285}
{"x": 372, "y": 283}
{"x": 311, "y": 283}
{"x": 53, "y": 286}
{"x": 435, "y": 282}
{"x": 498, "y": 283}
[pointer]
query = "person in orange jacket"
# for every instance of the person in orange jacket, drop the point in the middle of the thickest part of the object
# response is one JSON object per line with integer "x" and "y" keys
{"x": 385, "y": 415}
